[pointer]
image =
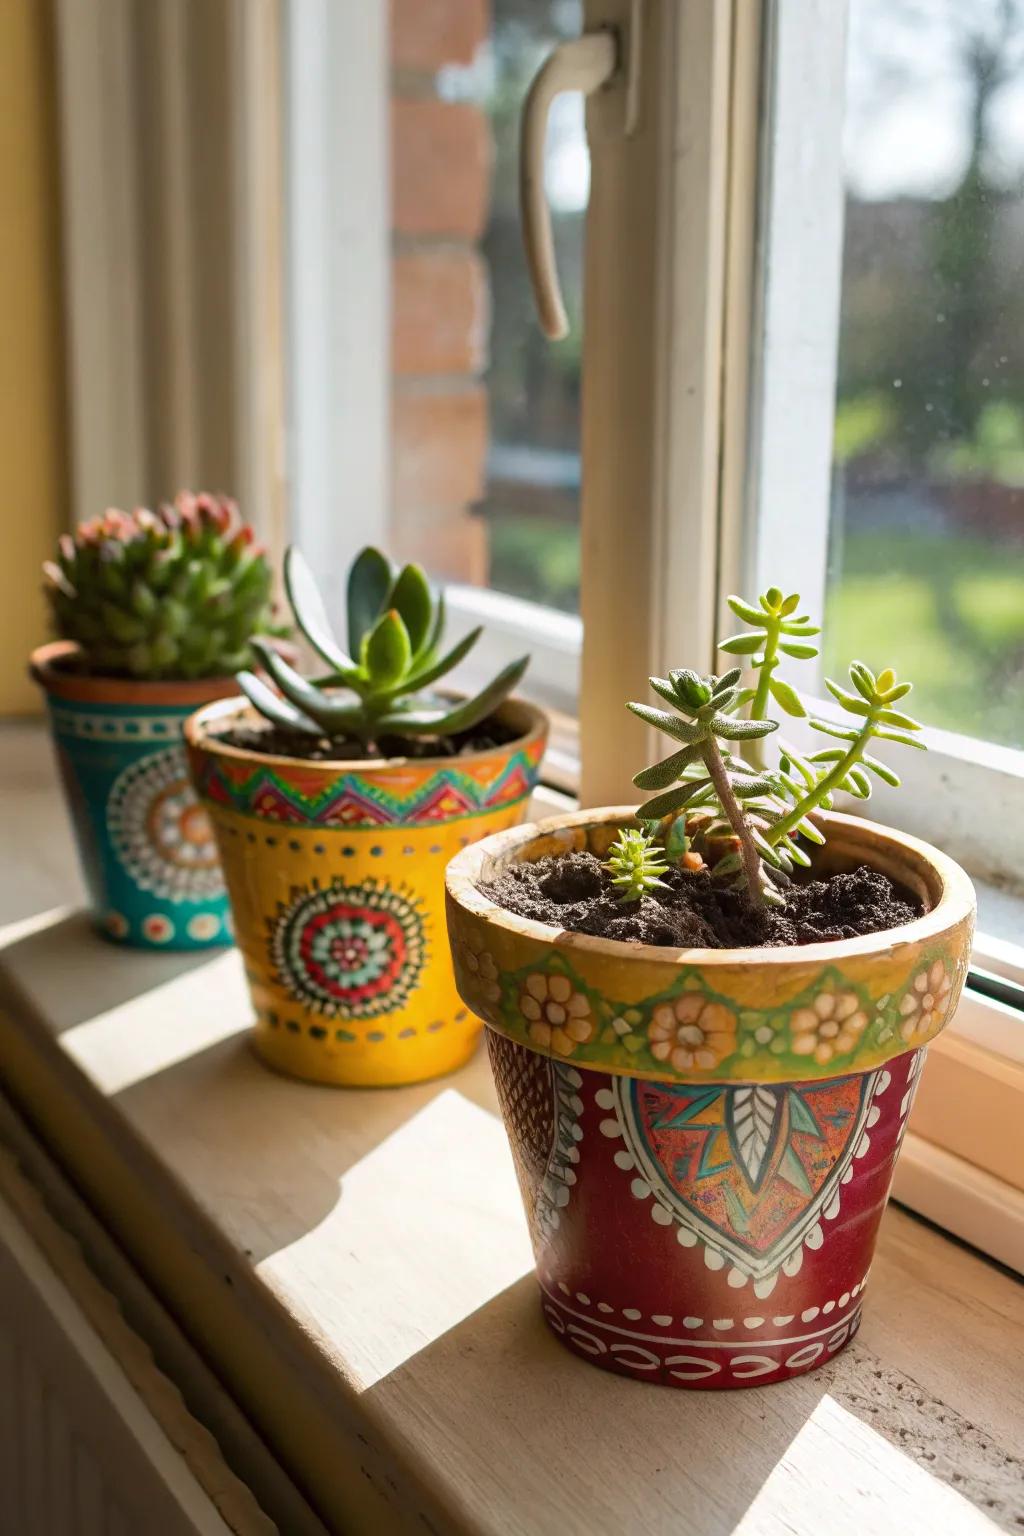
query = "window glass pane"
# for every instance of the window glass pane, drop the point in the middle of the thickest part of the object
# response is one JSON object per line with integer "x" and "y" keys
{"x": 926, "y": 548}
{"x": 522, "y": 526}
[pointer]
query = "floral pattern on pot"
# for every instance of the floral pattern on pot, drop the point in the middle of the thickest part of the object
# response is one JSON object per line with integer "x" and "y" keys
{"x": 784, "y": 1014}
{"x": 558, "y": 1017}
{"x": 160, "y": 832}
{"x": 925, "y": 1004}
{"x": 691, "y": 1030}
{"x": 349, "y": 951}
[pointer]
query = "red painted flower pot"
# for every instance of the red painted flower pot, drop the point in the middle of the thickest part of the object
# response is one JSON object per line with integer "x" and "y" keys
{"x": 705, "y": 1139}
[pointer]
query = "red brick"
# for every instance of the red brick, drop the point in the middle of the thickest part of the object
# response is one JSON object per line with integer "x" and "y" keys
{"x": 440, "y": 168}
{"x": 425, "y": 34}
{"x": 439, "y": 313}
{"x": 451, "y": 545}
{"x": 440, "y": 447}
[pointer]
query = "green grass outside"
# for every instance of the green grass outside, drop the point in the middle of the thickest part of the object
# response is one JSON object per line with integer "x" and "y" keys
{"x": 945, "y": 611}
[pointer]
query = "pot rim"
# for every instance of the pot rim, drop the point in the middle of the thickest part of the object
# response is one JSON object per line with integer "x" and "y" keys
{"x": 46, "y": 667}
{"x": 201, "y": 737}
{"x": 956, "y": 901}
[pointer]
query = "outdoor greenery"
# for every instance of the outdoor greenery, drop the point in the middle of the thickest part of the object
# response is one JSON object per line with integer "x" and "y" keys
{"x": 381, "y": 684}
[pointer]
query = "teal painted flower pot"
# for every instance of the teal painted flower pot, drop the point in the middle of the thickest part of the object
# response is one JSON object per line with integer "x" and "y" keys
{"x": 146, "y": 846}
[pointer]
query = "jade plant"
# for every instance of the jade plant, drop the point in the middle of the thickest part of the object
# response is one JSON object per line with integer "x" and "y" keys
{"x": 380, "y": 685}
{"x": 175, "y": 593}
{"x": 752, "y": 816}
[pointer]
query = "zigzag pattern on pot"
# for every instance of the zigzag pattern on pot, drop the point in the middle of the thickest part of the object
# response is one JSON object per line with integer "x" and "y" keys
{"x": 411, "y": 796}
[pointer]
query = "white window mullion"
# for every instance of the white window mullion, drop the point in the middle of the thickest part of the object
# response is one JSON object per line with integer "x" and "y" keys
{"x": 796, "y": 331}
{"x": 337, "y": 162}
{"x": 653, "y": 329}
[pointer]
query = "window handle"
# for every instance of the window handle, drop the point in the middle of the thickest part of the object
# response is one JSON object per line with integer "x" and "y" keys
{"x": 581, "y": 64}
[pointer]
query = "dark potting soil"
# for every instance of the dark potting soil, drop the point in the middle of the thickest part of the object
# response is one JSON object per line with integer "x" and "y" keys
{"x": 273, "y": 741}
{"x": 574, "y": 892}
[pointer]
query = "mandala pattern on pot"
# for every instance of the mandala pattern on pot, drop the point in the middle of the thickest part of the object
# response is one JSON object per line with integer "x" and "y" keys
{"x": 753, "y": 1173}
{"x": 541, "y": 1107}
{"x": 160, "y": 832}
{"x": 349, "y": 951}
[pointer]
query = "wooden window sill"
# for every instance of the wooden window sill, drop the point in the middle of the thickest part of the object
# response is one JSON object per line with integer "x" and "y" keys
{"x": 356, "y": 1269}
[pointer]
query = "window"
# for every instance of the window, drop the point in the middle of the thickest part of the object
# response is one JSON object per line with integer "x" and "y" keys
{"x": 887, "y": 296}
{"x": 926, "y": 539}
{"x": 789, "y": 206}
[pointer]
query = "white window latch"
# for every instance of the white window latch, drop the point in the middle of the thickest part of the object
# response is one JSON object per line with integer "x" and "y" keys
{"x": 582, "y": 64}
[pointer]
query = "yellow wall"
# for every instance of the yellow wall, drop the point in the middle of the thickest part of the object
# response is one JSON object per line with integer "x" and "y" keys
{"x": 32, "y": 439}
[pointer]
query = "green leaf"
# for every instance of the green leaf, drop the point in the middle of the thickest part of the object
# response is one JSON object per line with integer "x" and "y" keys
{"x": 726, "y": 682}
{"x": 663, "y": 688}
{"x": 742, "y": 730}
{"x": 307, "y": 604}
{"x": 660, "y": 775}
{"x": 843, "y": 732}
{"x": 786, "y": 697}
{"x": 828, "y": 755}
{"x": 847, "y": 700}
{"x": 894, "y": 717}
{"x": 862, "y": 681}
{"x": 272, "y": 707}
{"x": 447, "y": 663}
{"x": 332, "y": 715}
{"x": 388, "y": 650}
{"x": 672, "y": 725}
{"x": 369, "y": 582}
{"x": 433, "y": 640}
{"x": 412, "y": 598}
{"x": 883, "y": 771}
{"x": 905, "y": 741}
{"x": 744, "y": 611}
{"x": 791, "y": 604}
{"x": 741, "y": 645}
{"x": 766, "y": 850}
{"x": 749, "y": 789}
{"x": 690, "y": 687}
{"x": 801, "y": 626}
{"x": 666, "y": 804}
{"x": 900, "y": 691}
{"x": 801, "y": 652}
{"x": 464, "y": 716}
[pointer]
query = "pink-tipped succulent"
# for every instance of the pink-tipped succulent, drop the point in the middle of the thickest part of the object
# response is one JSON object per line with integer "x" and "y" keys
{"x": 175, "y": 593}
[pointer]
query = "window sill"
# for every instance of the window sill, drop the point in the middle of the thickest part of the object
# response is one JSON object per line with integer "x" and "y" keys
{"x": 356, "y": 1269}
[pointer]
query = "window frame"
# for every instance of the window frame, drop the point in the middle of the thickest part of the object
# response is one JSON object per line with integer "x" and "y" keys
{"x": 686, "y": 486}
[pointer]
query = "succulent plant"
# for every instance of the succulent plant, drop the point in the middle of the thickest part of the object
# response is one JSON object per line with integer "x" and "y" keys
{"x": 636, "y": 863}
{"x": 175, "y": 593}
{"x": 380, "y": 685}
{"x": 766, "y": 811}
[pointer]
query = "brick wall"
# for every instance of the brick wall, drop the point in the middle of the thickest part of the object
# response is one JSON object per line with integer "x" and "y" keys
{"x": 440, "y": 189}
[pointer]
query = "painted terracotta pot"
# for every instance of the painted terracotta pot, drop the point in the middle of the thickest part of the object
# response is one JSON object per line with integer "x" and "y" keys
{"x": 705, "y": 1139}
{"x": 146, "y": 846}
{"x": 336, "y": 877}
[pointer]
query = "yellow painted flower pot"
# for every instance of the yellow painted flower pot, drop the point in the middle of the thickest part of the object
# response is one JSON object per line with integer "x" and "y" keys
{"x": 335, "y": 872}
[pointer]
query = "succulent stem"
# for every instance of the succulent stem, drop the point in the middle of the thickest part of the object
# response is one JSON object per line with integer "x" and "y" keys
{"x": 731, "y": 806}
{"x": 824, "y": 787}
